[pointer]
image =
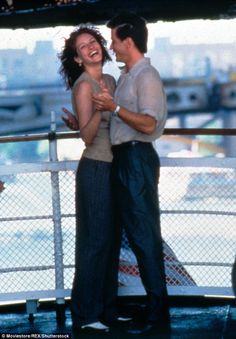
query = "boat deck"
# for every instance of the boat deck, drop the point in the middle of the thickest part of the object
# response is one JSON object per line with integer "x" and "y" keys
{"x": 190, "y": 318}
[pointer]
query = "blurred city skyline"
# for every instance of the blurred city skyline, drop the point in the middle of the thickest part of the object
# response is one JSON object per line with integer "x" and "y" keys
{"x": 177, "y": 50}
{"x": 179, "y": 32}
{"x": 189, "y": 49}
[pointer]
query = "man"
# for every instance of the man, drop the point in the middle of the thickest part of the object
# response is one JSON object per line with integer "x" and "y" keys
{"x": 139, "y": 107}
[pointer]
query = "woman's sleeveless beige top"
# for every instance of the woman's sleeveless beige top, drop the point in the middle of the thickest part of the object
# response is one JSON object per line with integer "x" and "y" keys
{"x": 100, "y": 149}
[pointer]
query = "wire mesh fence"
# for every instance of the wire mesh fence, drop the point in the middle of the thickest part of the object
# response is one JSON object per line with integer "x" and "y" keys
{"x": 37, "y": 216}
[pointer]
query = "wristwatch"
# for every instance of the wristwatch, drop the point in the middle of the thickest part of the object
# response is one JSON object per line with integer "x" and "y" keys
{"x": 116, "y": 111}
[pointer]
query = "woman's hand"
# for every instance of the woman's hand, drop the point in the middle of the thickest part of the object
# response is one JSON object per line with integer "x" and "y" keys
{"x": 70, "y": 120}
{"x": 103, "y": 100}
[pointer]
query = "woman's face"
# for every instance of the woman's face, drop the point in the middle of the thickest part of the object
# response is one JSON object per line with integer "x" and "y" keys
{"x": 88, "y": 50}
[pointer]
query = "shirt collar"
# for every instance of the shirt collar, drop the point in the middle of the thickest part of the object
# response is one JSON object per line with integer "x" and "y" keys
{"x": 136, "y": 67}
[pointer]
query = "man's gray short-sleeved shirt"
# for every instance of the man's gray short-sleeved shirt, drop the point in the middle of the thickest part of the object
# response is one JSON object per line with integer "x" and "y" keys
{"x": 140, "y": 90}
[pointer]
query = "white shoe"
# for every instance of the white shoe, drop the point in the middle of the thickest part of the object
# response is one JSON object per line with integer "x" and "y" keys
{"x": 98, "y": 326}
{"x": 124, "y": 319}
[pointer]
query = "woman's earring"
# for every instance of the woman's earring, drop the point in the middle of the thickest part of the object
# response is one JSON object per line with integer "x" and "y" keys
{"x": 80, "y": 64}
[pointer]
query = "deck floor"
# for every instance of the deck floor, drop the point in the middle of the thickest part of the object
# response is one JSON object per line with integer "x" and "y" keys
{"x": 191, "y": 320}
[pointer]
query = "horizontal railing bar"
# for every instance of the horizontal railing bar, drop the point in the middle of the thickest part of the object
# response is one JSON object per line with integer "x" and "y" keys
{"x": 200, "y": 131}
{"x": 31, "y": 268}
{"x": 198, "y": 212}
{"x": 35, "y": 295}
{"x": 36, "y": 217}
{"x": 213, "y": 162}
{"x": 76, "y": 134}
{"x": 186, "y": 263}
{"x": 182, "y": 290}
{"x": 46, "y": 217}
{"x": 58, "y": 166}
{"x": 71, "y": 215}
{"x": 39, "y": 136}
{"x": 52, "y": 267}
{"x": 172, "y": 290}
{"x": 47, "y": 166}
{"x": 205, "y": 263}
{"x": 27, "y": 269}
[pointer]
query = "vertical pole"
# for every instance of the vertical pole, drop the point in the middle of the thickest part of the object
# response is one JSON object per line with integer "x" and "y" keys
{"x": 58, "y": 248}
{"x": 229, "y": 142}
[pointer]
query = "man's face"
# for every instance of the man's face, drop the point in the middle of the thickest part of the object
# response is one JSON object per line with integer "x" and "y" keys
{"x": 118, "y": 46}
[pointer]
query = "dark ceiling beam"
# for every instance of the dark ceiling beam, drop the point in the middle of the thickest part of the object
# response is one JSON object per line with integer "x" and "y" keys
{"x": 33, "y": 13}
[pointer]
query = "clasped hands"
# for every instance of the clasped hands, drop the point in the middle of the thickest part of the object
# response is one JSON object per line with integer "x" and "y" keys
{"x": 104, "y": 101}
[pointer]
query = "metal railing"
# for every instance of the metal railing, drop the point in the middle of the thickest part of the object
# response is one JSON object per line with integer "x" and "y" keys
{"x": 197, "y": 199}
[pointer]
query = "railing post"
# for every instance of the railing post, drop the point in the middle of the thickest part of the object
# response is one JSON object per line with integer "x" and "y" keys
{"x": 58, "y": 247}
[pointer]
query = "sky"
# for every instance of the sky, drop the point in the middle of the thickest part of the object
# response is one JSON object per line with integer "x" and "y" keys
{"x": 187, "y": 32}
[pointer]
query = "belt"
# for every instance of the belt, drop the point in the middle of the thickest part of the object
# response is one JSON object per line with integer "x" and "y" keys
{"x": 131, "y": 143}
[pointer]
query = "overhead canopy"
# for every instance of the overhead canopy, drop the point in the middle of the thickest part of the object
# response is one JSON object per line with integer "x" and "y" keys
{"x": 43, "y": 13}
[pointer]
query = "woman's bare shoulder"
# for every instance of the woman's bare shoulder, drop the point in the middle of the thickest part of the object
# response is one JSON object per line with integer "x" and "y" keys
{"x": 81, "y": 86}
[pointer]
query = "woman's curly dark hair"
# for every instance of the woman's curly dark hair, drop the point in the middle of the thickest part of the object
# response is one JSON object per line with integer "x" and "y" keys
{"x": 69, "y": 69}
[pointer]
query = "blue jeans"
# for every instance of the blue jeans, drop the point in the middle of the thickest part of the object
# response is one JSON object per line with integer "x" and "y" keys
{"x": 94, "y": 232}
{"x": 135, "y": 176}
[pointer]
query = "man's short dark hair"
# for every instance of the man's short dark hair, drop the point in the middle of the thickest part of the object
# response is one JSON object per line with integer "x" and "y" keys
{"x": 131, "y": 25}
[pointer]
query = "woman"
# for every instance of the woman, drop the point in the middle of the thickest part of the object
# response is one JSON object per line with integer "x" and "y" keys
{"x": 82, "y": 59}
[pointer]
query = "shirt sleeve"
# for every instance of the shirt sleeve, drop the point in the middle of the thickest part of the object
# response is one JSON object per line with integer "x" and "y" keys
{"x": 151, "y": 96}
